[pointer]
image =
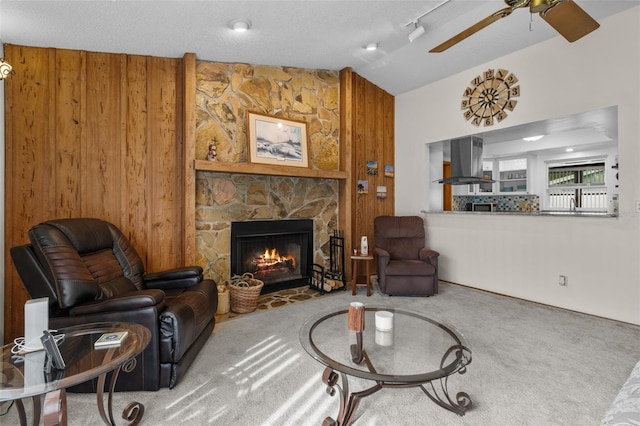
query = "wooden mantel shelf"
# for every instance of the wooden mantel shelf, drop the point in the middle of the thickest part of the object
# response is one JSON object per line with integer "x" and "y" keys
{"x": 266, "y": 169}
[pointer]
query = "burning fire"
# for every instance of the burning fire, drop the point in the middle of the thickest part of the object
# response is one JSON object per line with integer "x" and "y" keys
{"x": 271, "y": 257}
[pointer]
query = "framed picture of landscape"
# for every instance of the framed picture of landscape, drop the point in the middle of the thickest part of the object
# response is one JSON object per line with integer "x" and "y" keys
{"x": 277, "y": 140}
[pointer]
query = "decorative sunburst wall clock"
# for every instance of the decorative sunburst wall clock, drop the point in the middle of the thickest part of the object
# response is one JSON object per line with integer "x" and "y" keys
{"x": 490, "y": 96}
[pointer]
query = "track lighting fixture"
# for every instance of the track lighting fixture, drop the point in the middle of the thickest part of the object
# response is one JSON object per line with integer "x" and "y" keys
{"x": 419, "y": 29}
{"x": 417, "y": 33}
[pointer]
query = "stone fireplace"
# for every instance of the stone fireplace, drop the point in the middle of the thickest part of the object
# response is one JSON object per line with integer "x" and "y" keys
{"x": 277, "y": 252}
{"x": 224, "y": 93}
{"x": 224, "y": 198}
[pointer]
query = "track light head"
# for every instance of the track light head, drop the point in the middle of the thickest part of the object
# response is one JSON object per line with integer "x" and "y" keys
{"x": 417, "y": 33}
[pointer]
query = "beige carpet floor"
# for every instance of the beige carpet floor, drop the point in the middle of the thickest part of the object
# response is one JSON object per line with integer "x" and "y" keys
{"x": 532, "y": 365}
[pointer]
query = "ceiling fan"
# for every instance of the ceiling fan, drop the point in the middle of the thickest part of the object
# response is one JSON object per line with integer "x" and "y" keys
{"x": 565, "y": 16}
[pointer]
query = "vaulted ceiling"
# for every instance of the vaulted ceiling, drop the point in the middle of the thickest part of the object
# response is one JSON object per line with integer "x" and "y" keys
{"x": 306, "y": 33}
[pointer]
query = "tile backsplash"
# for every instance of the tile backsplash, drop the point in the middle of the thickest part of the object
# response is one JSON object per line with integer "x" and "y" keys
{"x": 504, "y": 203}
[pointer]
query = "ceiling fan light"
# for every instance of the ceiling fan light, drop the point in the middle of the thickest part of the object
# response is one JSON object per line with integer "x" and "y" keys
{"x": 537, "y": 6}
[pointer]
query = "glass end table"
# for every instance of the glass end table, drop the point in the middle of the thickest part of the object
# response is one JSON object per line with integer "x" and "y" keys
{"x": 26, "y": 376}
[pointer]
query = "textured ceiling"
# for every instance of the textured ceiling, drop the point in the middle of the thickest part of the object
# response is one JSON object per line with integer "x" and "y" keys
{"x": 307, "y": 34}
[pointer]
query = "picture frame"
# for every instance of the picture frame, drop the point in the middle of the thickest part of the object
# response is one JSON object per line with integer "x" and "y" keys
{"x": 363, "y": 186}
{"x": 277, "y": 140}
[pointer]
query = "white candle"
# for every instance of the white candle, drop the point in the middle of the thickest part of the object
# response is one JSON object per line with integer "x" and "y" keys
{"x": 384, "y": 320}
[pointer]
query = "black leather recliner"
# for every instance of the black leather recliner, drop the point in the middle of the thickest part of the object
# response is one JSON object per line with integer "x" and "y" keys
{"x": 91, "y": 273}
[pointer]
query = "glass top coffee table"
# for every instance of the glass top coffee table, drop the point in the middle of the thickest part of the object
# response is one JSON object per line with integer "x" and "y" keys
{"x": 25, "y": 375}
{"x": 412, "y": 351}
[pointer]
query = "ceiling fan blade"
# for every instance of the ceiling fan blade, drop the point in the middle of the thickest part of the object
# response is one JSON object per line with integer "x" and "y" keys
{"x": 472, "y": 30}
{"x": 570, "y": 20}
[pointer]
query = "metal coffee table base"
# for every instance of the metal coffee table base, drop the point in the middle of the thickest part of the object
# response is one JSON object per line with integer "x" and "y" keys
{"x": 438, "y": 394}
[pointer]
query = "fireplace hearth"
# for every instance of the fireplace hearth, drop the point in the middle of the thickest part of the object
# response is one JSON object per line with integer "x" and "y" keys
{"x": 277, "y": 252}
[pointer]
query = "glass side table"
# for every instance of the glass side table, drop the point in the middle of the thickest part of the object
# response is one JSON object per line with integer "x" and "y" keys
{"x": 24, "y": 376}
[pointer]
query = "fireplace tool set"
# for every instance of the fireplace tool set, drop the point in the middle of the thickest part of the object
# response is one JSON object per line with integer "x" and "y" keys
{"x": 333, "y": 278}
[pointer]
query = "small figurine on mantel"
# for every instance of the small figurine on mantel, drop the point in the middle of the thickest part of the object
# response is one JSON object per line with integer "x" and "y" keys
{"x": 212, "y": 156}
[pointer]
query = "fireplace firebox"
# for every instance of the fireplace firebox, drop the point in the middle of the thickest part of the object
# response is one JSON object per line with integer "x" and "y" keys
{"x": 277, "y": 252}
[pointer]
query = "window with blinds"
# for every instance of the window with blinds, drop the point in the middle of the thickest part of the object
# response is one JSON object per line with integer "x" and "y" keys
{"x": 577, "y": 186}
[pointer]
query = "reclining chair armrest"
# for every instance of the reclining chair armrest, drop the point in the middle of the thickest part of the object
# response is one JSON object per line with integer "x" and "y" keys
{"x": 383, "y": 256}
{"x": 430, "y": 256}
{"x": 173, "y": 278}
{"x": 126, "y": 302}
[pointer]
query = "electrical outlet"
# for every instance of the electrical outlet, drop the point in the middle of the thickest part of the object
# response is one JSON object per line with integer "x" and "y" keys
{"x": 563, "y": 280}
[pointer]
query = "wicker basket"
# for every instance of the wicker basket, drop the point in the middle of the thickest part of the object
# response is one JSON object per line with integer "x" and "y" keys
{"x": 244, "y": 296}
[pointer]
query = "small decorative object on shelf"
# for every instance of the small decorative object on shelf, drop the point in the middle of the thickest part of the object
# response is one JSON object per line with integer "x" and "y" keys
{"x": 212, "y": 155}
{"x": 244, "y": 291}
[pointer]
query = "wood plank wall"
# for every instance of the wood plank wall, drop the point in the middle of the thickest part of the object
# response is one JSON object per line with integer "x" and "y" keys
{"x": 96, "y": 135}
{"x": 367, "y": 134}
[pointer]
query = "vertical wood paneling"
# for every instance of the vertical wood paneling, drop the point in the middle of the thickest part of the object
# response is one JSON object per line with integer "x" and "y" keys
{"x": 134, "y": 153}
{"x": 189, "y": 138}
{"x": 94, "y": 135}
{"x": 388, "y": 152}
{"x": 69, "y": 68}
{"x": 346, "y": 186}
{"x": 28, "y": 183}
{"x": 104, "y": 171}
{"x": 372, "y": 139}
{"x": 165, "y": 156}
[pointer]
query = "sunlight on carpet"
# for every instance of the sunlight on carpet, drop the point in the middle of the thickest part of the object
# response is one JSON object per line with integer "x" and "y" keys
{"x": 263, "y": 364}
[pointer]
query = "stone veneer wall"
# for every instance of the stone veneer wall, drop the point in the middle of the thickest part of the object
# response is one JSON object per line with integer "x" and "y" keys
{"x": 225, "y": 92}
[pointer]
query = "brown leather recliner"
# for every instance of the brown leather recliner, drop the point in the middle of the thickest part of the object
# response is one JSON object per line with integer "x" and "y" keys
{"x": 405, "y": 266}
{"x": 91, "y": 273}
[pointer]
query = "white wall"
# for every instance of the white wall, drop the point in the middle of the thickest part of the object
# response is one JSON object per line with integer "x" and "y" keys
{"x": 523, "y": 256}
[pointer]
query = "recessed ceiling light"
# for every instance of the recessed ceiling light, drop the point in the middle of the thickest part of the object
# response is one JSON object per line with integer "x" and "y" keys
{"x": 533, "y": 138}
{"x": 569, "y": 150}
{"x": 240, "y": 25}
{"x": 371, "y": 46}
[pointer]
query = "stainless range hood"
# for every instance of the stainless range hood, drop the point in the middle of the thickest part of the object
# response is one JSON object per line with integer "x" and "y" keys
{"x": 466, "y": 162}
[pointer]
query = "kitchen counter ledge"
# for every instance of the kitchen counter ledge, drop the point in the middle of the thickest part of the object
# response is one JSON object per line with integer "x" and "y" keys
{"x": 537, "y": 213}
